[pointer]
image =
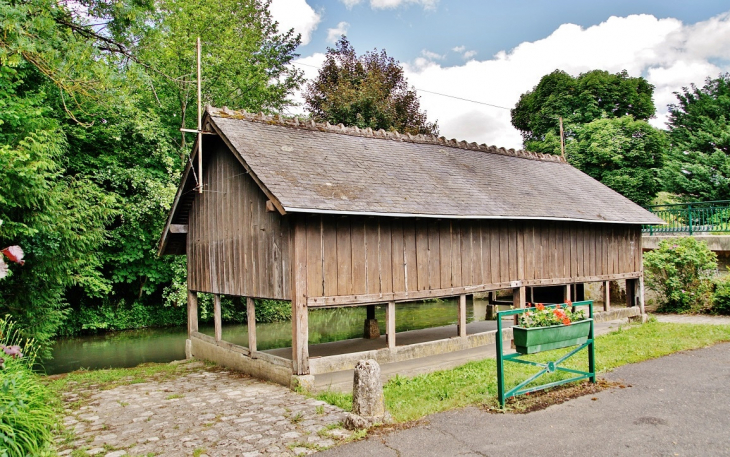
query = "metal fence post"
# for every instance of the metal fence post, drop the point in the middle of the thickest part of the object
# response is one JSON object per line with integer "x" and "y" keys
{"x": 689, "y": 210}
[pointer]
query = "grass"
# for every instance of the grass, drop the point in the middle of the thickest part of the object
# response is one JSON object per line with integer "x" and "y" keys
{"x": 475, "y": 383}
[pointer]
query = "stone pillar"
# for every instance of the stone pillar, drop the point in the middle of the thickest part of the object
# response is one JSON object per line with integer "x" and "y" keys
{"x": 368, "y": 404}
{"x": 371, "y": 330}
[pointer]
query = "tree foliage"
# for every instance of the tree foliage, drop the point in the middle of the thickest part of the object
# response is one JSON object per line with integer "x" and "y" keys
{"x": 579, "y": 100}
{"x": 366, "y": 91}
{"x": 92, "y": 95}
{"x": 624, "y": 154}
{"x": 699, "y": 131}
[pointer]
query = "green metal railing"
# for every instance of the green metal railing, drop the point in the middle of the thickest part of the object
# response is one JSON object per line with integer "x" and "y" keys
{"x": 691, "y": 218}
{"x": 526, "y": 387}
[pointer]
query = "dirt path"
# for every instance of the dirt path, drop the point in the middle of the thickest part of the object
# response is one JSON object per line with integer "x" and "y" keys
{"x": 203, "y": 412}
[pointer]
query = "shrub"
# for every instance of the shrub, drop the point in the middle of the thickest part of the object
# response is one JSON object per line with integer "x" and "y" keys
{"x": 27, "y": 417}
{"x": 680, "y": 271}
{"x": 721, "y": 297}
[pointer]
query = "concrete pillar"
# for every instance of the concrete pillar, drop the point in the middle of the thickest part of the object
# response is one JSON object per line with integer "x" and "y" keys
{"x": 371, "y": 330}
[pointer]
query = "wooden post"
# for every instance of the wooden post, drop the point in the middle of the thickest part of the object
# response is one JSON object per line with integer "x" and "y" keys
{"x": 518, "y": 299}
{"x": 251, "y": 317}
{"x": 607, "y": 295}
{"x": 566, "y": 293}
{"x": 217, "y": 317}
{"x": 640, "y": 293}
{"x": 630, "y": 292}
{"x": 461, "y": 327}
{"x": 192, "y": 312}
{"x": 300, "y": 313}
{"x": 390, "y": 325}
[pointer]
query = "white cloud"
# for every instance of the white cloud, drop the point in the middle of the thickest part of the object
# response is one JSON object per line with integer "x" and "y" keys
{"x": 296, "y": 14}
{"x": 334, "y": 34}
{"x": 310, "y": 65}
{"x": 665, "y": 51}
{"x": 459, "y": 49}
{"x": 392, "y": 4}
{"x": 431, "y": 55}
{"x": 469, "y": 54}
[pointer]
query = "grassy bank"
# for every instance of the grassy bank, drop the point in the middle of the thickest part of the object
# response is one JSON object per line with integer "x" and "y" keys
{"x": 475, "y": 383}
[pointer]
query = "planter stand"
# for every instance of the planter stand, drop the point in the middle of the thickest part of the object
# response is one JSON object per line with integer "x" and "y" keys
{"x": 548, "y": 367}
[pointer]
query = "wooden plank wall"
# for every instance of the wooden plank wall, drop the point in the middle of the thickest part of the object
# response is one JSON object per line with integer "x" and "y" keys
{"x": 370, "y": 255}
{"x": 236, "y": 247}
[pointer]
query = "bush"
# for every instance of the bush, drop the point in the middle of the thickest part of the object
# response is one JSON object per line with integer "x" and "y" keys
{"x": 27, "y": 417}
{"x": 721, "y": 297}
{"x": 680, "y": 271}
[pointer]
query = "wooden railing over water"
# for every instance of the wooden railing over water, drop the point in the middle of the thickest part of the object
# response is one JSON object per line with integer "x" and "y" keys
{"x": 691, "y": 218}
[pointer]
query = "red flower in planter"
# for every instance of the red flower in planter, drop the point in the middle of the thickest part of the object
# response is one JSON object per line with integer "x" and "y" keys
{"x": 540, "y": 306}
{"x": 566, "y": 321}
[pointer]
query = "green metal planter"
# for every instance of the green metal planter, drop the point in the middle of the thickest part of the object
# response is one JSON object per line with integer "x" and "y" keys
{"x": 538, "y": 339}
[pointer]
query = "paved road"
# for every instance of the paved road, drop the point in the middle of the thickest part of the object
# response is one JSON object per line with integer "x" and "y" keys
{"x": 677, "y": 405}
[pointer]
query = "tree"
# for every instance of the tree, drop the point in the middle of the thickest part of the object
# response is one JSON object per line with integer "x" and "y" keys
{"x": 245, "y": 58}
{"x": 699, "y": 131}
{"x": 58, "y": 219}
{"x": 622, "y": 153}
{"x": 579, "y": 100}
{"x": 366, "y": 91}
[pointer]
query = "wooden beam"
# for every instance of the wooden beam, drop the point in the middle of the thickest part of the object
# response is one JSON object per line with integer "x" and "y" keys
{"x": 462, "y": 316}
{"x": 218, "y": 328}
{"x": 270, "y": 208}
{"x": 251, "y": 318}
{"x": 390, "y": 325}
{"x": 178, "y": 228}
{"x": 192, "y": 312}
{"x": 362, "y": 299}
{"x": 300, "y": 313}
{"x": 607, "y": 295}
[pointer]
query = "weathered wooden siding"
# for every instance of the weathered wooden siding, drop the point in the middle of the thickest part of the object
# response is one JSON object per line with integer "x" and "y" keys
{"x": 367, "y": 255}
{"x": 234, "y": 246}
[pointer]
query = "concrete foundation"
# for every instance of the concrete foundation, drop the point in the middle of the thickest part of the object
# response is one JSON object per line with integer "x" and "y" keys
{"x": 279, "y": 369}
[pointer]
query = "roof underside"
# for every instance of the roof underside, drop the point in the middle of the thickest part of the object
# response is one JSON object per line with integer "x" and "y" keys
{"x": 310, "y": 170}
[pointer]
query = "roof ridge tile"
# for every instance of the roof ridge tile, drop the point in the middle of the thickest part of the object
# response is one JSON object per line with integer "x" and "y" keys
{"x": 368, "y": 132}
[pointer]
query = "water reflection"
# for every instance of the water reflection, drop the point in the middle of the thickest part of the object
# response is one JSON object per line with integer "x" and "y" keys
{"x": 130, "y": 348}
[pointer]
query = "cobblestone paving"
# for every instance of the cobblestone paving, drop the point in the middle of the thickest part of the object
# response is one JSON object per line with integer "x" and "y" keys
{"x": 203, "y": 413}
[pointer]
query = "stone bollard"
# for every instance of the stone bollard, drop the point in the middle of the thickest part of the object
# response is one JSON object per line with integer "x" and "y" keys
{"x": 368, "y": 405}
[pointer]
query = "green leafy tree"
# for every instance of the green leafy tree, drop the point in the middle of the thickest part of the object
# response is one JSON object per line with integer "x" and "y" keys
{"x": 366, "y": 91}
{"x": 58, "y": 219}
{"x": 699, "y": 131}
{"x": 579, "y": 100}
{"x": 622, "y": 153}
{"x": 245, "y": 61}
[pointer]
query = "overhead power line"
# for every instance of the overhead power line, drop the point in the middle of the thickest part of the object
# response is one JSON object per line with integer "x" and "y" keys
{"x": 430, "y": 92}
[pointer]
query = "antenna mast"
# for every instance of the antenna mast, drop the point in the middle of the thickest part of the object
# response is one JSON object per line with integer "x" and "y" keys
{"x": 200, "y": 129}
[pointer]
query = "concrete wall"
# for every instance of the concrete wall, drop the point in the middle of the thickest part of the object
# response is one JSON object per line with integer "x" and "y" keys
{"x": 265, "y": 366}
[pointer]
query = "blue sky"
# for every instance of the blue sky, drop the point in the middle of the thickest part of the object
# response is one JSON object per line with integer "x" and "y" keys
{"x": 493, "y": 51}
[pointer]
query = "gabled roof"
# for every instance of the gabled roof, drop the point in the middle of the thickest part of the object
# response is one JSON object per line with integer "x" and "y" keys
{"x": 307, "y": 167}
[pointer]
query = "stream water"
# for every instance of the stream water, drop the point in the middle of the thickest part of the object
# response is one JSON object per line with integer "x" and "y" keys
{"x": 130, "y": 348}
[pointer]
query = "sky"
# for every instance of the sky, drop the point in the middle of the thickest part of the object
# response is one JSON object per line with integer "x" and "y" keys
{"x": 491, "y": 52}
